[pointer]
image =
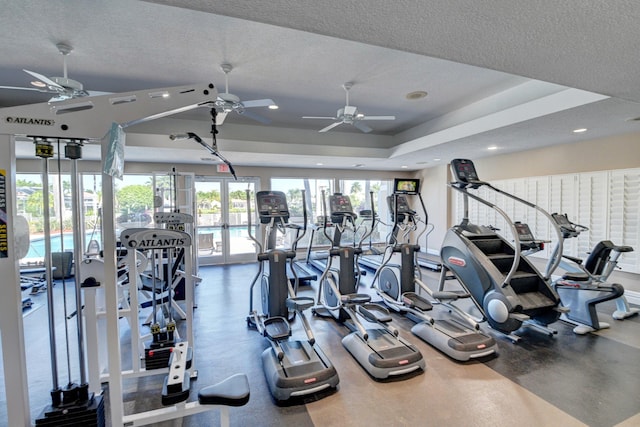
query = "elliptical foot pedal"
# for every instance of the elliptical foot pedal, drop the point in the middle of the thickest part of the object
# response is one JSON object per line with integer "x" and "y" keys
{"x": 233, "y": 391}
{"x": 355, "y": 298}
{"x": 374, "y": 313}
{"x": 300, "y": 303}
{"x": 277, "y": 328}
{"x": 413, "y": 300}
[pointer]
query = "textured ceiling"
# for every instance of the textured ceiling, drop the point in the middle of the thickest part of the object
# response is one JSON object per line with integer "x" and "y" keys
{"x": 475, "y": 59}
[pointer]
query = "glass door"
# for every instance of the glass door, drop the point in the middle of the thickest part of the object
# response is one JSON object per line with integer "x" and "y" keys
{"x": 221, "y": 220}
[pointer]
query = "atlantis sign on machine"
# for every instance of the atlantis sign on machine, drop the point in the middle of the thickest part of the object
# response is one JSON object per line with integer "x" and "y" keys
{"x": 30, "y": 121}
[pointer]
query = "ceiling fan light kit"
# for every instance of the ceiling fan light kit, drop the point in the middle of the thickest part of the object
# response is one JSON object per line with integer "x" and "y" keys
{"x": 61, "y": 87}
{"x": 349, "y": 115}
{"x": 228, "y": 102}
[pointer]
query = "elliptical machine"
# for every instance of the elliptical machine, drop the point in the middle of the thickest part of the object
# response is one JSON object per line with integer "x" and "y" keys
{"x": 378, "y": 349}
{"x": 292, "y": 367}
{"x": 504, "y": 285}
{"x": 581, "y": 288}
{"x": 450, "y": 330}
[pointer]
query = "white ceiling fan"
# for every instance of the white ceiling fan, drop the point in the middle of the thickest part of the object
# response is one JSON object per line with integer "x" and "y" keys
{"x": 350, "y": 115}
{"x": 228, "y": 102}
{"x": 61, "y": 87}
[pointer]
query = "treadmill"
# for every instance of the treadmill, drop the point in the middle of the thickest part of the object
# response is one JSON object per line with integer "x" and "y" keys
{"x": 293, "y": 368}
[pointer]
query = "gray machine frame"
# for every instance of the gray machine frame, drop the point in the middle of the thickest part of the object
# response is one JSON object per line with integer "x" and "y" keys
{"x": 400, "y": 284}
{"x": 579, "y": 289}
{"x": 292, "y": 368}
{"x": 379, "y": 349}
{"x": 506, "y": 287}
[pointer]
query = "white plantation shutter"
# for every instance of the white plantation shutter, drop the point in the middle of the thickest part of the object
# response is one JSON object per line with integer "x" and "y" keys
{"x": 607, "y": 202}
{"x": 592, "y": 212}
{"x": 624, "y": 214}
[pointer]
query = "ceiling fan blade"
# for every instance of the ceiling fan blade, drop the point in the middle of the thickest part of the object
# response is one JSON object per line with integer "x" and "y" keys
{"x": 319, "y": 117}
{"x": 364, "y": 128}
{"x": 97, "y": 93}
{"x": 378, "y": 118}
{"x": 349, "y": 110}
{"x": 258, "y": 103}
{"x": 21, "y": 88}
{"x": 255, "y": 117}
{"x": 220, "y": 116}
{"x": 331, "y": 126}
{"x": 46, "y": 80}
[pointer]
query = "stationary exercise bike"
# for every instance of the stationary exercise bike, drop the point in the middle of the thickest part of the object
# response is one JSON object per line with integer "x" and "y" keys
{"x": 292, "y": 367}
{"x": 378, "y": 349}
{"x": 400, "y": 285}
{"x": 601, "y": 262}
{"x": 581, "y": 291}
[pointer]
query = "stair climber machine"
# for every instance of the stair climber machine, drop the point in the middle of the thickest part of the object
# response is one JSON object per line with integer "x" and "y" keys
{"x": 292, "y": 368}
{"x": 505, "y": 286}
{"x": 446, "y": 327}
{"x": 582, "y": 287}
{"x": 377, "y": 347}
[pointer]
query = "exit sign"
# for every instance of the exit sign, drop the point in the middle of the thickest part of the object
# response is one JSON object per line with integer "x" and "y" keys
{"x": 223, "y": 168}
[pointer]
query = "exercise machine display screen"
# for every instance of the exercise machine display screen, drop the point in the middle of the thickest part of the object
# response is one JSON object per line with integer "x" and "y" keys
{"x": 463, "y": 170}
{"x": 524, "y": 232}
{"x": 340, "y": 204}
{"x": 562, "y": 220}
{"x": 402, "y": 203}
{"x": 406, "y": 186}
{"x": 272, "y": 204}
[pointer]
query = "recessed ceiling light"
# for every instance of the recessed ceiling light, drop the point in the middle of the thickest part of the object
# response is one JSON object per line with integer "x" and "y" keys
{"x": 38, "y": 83}
{"x": 319, "y": 164}
{"x": 437, "y": 159}
{"x": 580, "y": 130}
{"x": 418, "y": 94}
{"x": 404, "y": 167}
{"x": 493, "y": 147}
{"x": 273, "y": 107}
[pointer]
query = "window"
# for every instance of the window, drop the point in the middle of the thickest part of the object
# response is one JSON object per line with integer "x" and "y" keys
{"x": 292, "y": 188}
{"x": 359, "y": 191}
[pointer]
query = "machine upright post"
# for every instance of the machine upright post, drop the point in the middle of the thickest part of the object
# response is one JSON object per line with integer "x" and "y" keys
{"x": 11, "y": 321}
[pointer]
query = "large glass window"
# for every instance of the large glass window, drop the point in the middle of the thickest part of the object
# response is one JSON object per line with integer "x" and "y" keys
{"x": 133, "y": 204}
{"x": 359, "y": 191}
{"x": 292, "y": 188}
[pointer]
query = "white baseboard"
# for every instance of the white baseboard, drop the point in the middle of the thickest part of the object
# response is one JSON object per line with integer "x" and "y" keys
{"x": 633, "y": 297}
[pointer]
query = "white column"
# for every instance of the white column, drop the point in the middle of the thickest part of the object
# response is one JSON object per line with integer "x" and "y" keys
{"x": 111, "y": 296}
{"x": 11, "y": 325}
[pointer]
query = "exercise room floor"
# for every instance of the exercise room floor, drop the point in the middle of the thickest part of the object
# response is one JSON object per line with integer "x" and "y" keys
{"x": 567, "y": 380}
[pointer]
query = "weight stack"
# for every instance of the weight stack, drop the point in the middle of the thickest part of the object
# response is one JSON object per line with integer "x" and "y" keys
{"x": 87, "y": 414}
{"x": 157, "y": 356}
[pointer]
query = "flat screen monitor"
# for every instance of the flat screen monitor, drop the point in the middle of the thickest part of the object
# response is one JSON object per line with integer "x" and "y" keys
{"x": 406, "y": 186}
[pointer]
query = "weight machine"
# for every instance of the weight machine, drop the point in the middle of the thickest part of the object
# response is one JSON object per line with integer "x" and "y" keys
{"x": 78, "y": 122}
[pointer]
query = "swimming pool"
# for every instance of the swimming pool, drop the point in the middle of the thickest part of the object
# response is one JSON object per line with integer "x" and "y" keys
{"x": 36, "y": 248}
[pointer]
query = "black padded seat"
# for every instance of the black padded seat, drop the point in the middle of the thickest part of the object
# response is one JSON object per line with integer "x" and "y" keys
{"x": 234, "y": 391}
{"x": 576, "y": 277}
